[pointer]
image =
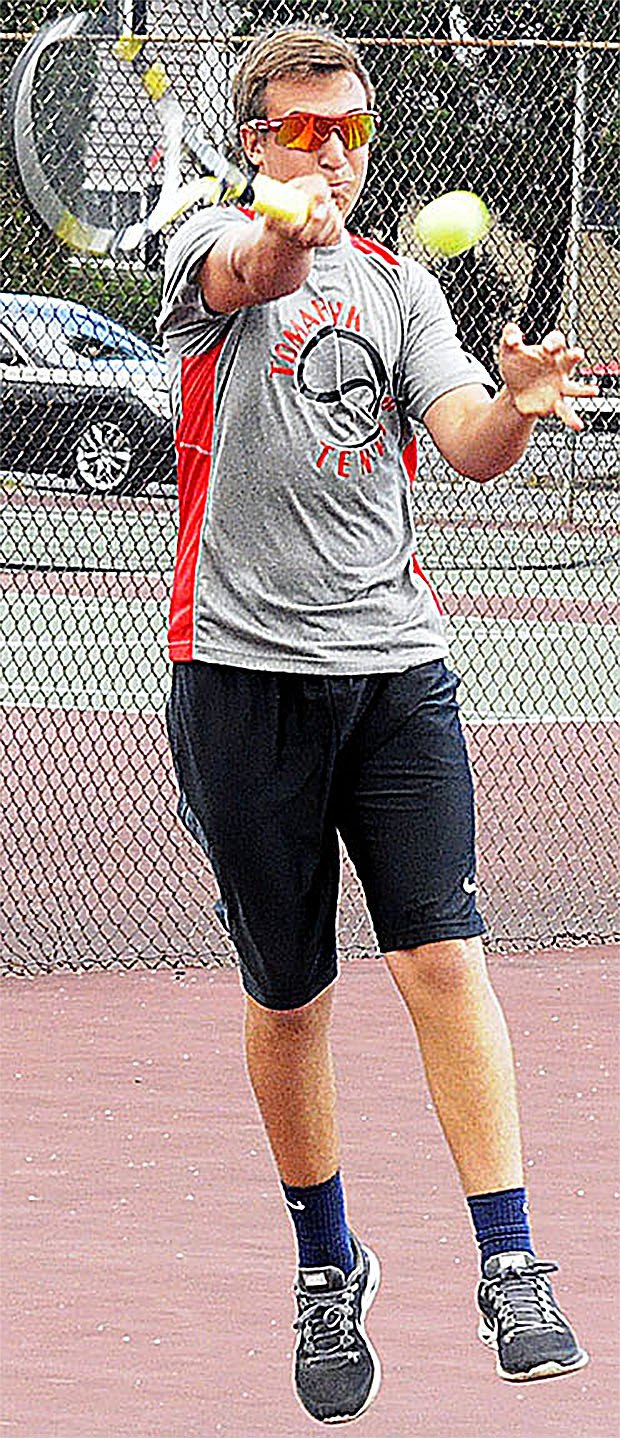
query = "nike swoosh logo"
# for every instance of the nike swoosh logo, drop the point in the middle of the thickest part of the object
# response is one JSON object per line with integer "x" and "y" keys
{"x": 292, "y": 1204}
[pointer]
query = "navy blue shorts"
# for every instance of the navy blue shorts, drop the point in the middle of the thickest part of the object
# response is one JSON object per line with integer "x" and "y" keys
{"x": 273, "y": 767}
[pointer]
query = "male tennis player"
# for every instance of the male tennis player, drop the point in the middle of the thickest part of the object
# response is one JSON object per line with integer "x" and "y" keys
{"x": 311, "y": 696}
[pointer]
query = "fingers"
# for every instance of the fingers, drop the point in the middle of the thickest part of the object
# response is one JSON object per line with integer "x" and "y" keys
{"x": 577, "y": 390}
{"x": 324, "y": 223}
{"x": 554, "y": 346}
{"x": 554, "y": 343}
{"x": 553, "y": 349}
{"x": 540, "y": 378}
{"x": 512, "y": 336}
{"x": 564, "y": 410}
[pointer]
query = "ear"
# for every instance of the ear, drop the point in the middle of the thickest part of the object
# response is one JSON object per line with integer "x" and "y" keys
{"x": 253, "y": 145}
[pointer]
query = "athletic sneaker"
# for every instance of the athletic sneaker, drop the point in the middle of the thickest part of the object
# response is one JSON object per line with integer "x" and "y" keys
{"x": 337, "y": 1372}
{"x": 522, "y": 1322}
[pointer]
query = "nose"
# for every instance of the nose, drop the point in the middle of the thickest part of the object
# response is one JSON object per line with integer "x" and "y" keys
{"x": 333, "y": 151}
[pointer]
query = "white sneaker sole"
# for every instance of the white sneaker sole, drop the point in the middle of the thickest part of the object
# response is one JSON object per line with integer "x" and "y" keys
{"x": 553, "y": 1369}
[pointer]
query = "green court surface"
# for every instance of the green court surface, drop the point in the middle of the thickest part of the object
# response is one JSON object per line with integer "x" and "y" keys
{"x": 528, "y": 597}
{"x": 101, "y": 653}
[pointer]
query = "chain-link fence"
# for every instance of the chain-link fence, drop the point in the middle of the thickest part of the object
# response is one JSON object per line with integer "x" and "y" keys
{"x": 518, "y": 102}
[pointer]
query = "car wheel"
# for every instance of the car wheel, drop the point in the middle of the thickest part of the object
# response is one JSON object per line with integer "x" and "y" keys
{"x": 104, "y": 458}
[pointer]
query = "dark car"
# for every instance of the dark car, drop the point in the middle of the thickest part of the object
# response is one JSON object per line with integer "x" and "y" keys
{"x": 81, "y": 397}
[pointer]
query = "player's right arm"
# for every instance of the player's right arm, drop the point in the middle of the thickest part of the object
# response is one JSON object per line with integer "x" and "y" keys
{"x": 252, "y": 264}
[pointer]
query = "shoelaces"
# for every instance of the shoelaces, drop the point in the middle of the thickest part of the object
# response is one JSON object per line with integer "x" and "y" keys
{"x": 330, "y": 1327}
{"x": 524, "y": 1301}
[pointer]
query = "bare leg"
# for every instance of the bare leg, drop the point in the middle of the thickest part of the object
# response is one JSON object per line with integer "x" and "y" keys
{"x": 467, "y": 1057}
{"x": 290, "y": 1066}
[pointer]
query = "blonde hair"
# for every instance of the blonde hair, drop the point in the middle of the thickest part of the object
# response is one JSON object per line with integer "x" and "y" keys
{"x": 291, "y": 50}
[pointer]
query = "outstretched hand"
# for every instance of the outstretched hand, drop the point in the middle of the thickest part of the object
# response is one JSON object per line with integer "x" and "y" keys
{"x": 538, "y": 377}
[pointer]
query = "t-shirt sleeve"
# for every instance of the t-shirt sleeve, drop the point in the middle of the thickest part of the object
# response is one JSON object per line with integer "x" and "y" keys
{"x": 433, "y": 360}
{"x": 185, "y": 321}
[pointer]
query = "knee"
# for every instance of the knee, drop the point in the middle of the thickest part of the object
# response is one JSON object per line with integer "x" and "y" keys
{"x": 311, "y": 1019}
{"x": 449, "y": 969}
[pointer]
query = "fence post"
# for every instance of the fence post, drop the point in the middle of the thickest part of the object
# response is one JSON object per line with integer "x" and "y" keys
{"x": 573, "y": 253}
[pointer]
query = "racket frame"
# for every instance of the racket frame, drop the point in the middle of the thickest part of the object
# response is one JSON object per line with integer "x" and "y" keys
{"x": 222, "y": 182}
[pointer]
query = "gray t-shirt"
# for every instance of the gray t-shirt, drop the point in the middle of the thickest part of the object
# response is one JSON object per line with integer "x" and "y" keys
{"x": 293, "y": 422}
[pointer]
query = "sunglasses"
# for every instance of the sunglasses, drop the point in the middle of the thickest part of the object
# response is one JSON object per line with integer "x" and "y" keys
{"x": 304, "y": 131}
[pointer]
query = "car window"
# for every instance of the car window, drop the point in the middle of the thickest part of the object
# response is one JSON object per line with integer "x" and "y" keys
{"x": 67, "y": 335}
{"x": 92, "y": 348}
{"x": 102, "y": 339}
{"x": 29, "y": 337}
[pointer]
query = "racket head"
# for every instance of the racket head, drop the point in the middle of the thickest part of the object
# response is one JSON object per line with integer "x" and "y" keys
{"x": 81, "y": 110}
{"x": 52, "y": 82}
{"x": 81, "y": 133}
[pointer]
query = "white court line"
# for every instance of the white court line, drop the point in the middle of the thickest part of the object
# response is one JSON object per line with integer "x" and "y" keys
{"x": 97, "y": 654}
{"x": 84, "y": 705}
{"x": 470, "y": 720}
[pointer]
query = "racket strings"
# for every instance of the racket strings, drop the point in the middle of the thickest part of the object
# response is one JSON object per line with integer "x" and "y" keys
{"x": 89, "y": 127}
{"x": 106, "y": 152}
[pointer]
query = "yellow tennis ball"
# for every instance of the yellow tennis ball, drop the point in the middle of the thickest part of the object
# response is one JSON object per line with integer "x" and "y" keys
{"x": 452, "y": 223}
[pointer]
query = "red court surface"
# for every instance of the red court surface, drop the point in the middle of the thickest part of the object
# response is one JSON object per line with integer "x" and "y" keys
{"x": 148, "y": 1258}
{"x": 104, "y": 870}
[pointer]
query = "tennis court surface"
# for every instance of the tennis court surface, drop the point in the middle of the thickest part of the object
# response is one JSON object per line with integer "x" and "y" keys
{"x": 148, "y": 1258}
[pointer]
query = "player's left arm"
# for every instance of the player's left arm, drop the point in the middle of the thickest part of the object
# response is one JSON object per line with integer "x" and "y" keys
{"x": 483, "y": 437}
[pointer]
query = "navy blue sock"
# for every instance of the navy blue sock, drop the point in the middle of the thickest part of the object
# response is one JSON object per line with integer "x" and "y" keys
{"x": 318, "y": 1213}
{"x": 501, "y": 1222}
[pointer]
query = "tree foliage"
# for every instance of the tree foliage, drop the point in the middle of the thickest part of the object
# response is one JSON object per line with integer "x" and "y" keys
{"x": 498, "y": 121}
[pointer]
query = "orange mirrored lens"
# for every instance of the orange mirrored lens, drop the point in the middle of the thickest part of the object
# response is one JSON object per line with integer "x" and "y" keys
{"x": 309, "y": 132}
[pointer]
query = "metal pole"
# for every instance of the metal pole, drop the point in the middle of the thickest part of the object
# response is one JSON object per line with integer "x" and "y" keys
{"x": 577, "y": 192}
{"x": 573, "y": 250}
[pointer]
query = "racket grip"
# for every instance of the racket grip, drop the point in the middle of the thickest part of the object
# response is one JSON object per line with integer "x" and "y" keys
{"x": 280, "y": 201}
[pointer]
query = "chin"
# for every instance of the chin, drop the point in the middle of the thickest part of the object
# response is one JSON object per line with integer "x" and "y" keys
{"x": 345, "y": 202}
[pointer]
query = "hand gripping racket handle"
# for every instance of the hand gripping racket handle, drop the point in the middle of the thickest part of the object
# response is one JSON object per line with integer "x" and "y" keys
{"x": 270, "y": 197}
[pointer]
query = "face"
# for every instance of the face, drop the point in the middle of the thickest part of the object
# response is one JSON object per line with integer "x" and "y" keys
{"x": 338, "y": 93}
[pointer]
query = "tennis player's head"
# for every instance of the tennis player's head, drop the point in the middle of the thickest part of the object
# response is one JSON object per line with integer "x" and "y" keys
{"x": 304, "y": 105}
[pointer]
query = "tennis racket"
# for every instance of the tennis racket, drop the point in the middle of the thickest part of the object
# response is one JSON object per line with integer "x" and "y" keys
{"x": 80, "y": 106}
